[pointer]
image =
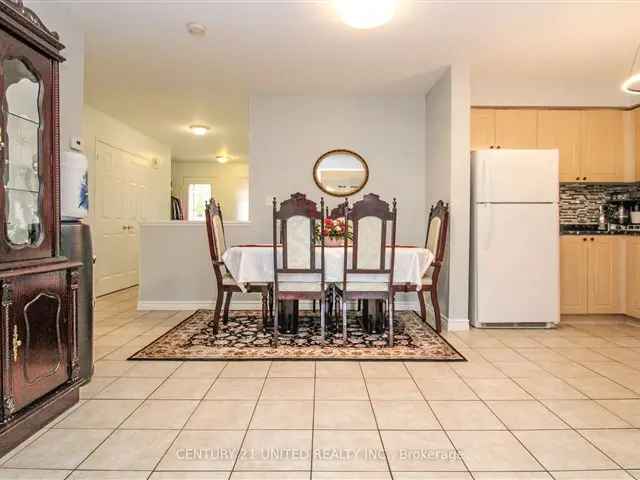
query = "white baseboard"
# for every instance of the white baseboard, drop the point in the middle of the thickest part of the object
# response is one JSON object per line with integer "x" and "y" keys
{"x": 449, "y": 324}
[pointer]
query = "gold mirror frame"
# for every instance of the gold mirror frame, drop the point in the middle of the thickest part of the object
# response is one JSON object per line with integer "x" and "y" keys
{"x": 343, "y": 152}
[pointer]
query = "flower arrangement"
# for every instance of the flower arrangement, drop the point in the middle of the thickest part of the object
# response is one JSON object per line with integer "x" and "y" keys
{"x": 334, "y": 231}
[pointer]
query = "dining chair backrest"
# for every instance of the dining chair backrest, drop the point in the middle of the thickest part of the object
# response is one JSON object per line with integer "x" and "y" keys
{"x": 371, "y": 218}
{"x": 436, "y": 241}
{"x": 297, "y": 217}
{"x": 215, "y": 234}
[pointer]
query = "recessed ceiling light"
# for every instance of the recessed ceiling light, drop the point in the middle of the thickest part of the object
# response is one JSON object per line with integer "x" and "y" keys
{"x": 222, "y": 159}
{"x": 365, "y": 13}
{"x": 196, "y": 29}
{"x": 199, "y": 130}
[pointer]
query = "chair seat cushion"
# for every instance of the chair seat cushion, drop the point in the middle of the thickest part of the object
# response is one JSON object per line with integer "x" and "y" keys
{"x": 366, "y": 287}
{"x": 428, "y": 277}
{"x": 299, "y": 286}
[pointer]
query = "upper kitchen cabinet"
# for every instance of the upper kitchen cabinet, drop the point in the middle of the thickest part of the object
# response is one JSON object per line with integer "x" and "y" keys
{"x": 516, "y": 128}
{"x": 602, "y": 153}
{"x": 561, "y": 129}
{"x": 483, "y": 128}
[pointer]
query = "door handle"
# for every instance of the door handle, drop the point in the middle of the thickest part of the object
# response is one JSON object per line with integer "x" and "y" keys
{"x": 17, "y": 343}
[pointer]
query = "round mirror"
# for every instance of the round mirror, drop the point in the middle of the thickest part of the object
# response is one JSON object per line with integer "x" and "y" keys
{"x": 341, "y": 173}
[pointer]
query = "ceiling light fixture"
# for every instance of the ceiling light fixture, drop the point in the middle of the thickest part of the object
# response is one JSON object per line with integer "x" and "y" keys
{"x": 196, "y": 29}
{"x": 199, "y": 130}
{"x": 365, "y": 13}
{"x": 632, "y": 84}
{"x": 222, "y": 159}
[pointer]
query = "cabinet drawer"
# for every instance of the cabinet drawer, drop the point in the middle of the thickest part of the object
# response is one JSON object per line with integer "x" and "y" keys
{"x": 36, "y": 327}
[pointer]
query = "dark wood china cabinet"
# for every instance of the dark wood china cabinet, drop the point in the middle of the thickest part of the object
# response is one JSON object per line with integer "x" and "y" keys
{"x": 39, "y": 348}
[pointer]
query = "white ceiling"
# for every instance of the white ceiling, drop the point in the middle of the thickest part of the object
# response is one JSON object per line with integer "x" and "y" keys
{"x": 143, "y": 68}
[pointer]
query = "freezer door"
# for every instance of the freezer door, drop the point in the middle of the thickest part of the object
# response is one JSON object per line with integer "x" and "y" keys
{"x": 515, "y": 176}
{"x": 516, "y": 264}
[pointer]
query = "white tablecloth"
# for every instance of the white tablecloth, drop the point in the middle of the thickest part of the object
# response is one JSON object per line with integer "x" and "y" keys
{"x": 254, "y": 264}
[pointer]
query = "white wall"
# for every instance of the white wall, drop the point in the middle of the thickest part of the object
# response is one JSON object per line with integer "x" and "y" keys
{"x": 102, "y": 127}
{"x": 447, "y": 178}
{"x": 230, "y": 185}
{"x": 289, "y": 133}
{"x": 57, "y": 18}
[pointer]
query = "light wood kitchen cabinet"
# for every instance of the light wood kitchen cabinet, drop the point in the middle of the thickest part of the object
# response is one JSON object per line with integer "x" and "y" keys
{"x": 483, "y": 128}
{"x": 592, "y": 274}
{"x": 516, "y": 128}
{"x": 561, "y": 129}
{"x": 636, "y": 119}
{"x": 574, "y": 259}
{"x": 602, "y": 153}
{"x": 633, "y": 276}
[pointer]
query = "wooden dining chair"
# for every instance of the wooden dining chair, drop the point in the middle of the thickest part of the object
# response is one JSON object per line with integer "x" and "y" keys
{"x": 436, "y": 242}
{"x": 371, "y": 218}
{"x": 297, "y": 277}
{"x": 225, "y": 284}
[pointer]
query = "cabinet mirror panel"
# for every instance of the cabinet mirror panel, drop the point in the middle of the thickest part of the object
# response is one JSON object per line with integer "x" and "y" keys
{"x": 341, "y": 173}
{"x": 21, "y": 152}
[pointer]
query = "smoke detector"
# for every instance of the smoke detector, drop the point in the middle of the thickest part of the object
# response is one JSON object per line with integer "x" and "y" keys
{"x": 196, "y": 29}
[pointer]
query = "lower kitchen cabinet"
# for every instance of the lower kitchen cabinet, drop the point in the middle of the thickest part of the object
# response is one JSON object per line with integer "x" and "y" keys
{"x": 633, "y": 276}
{"x": 592, "y": 274}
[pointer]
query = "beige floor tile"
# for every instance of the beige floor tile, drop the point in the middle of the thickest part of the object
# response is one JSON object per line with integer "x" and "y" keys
{"x": 203, "y": 450}
{"x": 294, "y": 446}
{"x": 566, "y": 370}
{"x": 384, "y": 370}
{"x": 430, "y": 370}
{"x": 497, "y": 389}
{"x": 109, "y": 475}
{"x": 344, "y": 415}
{"x": 421, "y": 451}
{"x": 95, "y": 386}
{"x": 112, "y": 368}
{"x": 58, "y": 449}
{"x": 221, "y": 415}
{"x": 130, "y": 388}
{"x": 161, "y": 414}
{"x": 152, "y": 369}
{"x": 519, "y": 369}
{"x": 477, "y": 370}
{"x": 452, "y": 388}
{"x": 600, "y": 388}
{"x": 511, "y": 476}
{"x": 392, "y": 389}
{"x": 283, "y": 415}
{"x": 593, "y": 475}
{"x": 338, "y": 369}
{"x": 182, "y": 389}
{"x": 634, "y": 473}
{"x": 628, "y": 410}
{"x": 500, "y": 354}
{"x": 98, "y": 414}
{"x": 235, "y": 389}
{"x": 350, "y": 476}
{"x": 526, "y": 415}
{"x": 348, "y": 450}
{"x": 288, "y": 389}
{"x": 563, "y": 450}
{"x": 190, "y": 475}
{"x": 465, "y": 415}
{"x": 19, "y": 474}
{"x": 270, "y": 475}
{"x": 199, "y": 370}
{"x": 432, "y": 476}
{"x": 585, "y": 414}
{"x": 341, "y": 389}
{"x": 245, "y": 369}
{"x": 404, "y": 415}
{"x": 623, "y": 446}
{"x": 545, "y": 387}
{"x": 130, "y": 450}
{"x": 542, "y": 355}
{"x": 493, "y": 451}
{"x": 295, "y": 369}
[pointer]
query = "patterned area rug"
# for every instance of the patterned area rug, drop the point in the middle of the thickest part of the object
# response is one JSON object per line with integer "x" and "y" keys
{"x": 241, "y": 339}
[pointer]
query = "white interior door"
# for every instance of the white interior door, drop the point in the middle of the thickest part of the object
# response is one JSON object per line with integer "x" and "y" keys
{"x": 517, "y": 263}
{"x": 121, "y": 204}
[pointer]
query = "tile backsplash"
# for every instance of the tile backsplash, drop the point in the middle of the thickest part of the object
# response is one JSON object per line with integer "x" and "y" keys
{"x": 579, "y": 202}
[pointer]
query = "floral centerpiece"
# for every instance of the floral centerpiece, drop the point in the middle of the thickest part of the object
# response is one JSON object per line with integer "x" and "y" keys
{"x": 334, "y": 231}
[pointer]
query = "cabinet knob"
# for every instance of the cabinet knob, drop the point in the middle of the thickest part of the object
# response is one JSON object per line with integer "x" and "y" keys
{"x": 592, "y": 239}
{"x": 578, "y": 178}
{"x": 584, "y": 178}
{"x": 491, "y": 146}
{"x": 584, "y": 239}
{"x": 498, "y": 146}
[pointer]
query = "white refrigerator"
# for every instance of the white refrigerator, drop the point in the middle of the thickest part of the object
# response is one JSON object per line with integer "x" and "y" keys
{"x": 515, "y": 238}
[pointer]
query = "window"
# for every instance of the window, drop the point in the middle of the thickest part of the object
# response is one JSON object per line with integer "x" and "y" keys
{"x": 199, "y": 194}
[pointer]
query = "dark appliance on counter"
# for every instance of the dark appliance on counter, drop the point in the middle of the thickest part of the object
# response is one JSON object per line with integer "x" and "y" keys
{"x": 76, "y": 246}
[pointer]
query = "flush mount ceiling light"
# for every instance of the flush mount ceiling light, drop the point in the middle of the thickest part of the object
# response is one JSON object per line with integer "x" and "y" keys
{"x": 365, "y": 13}
{"x": 196, "y": 29}
{"x": 222, "y": 159}
{"x": 199, "y": 130}
{"x": 632, "y": 84}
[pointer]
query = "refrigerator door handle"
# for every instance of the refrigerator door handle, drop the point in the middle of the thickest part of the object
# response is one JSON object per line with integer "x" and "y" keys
{"x": 489, "y": 236}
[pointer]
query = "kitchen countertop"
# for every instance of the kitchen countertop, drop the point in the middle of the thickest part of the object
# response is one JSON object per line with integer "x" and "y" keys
{"x": 590, "y": 230}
